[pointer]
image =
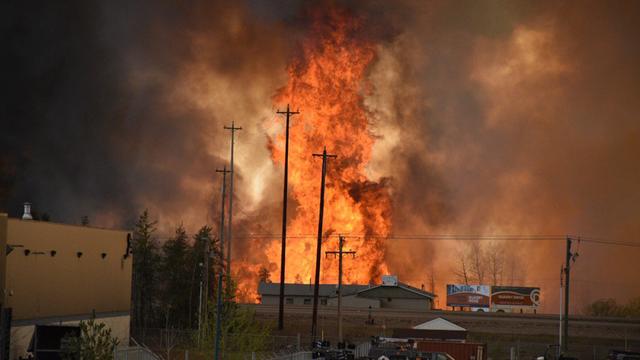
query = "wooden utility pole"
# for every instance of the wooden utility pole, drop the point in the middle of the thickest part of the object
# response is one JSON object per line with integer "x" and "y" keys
{"x": 560, "y": 344}
{"x": 316, "y": 288}
{"x": 567, "y": 277}
{"x": 203, "y": 316}
{"x": 224, "y": 172}
{"x": 340, "y": 252}
{"x": 230, "y": 232}
{"x": 288, "y": 114}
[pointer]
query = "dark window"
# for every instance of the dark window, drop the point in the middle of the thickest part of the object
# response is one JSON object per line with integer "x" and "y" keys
{"x": 289, "y": 300}
{"x": 323, "y": 301}
{"x": 307, "y": 301}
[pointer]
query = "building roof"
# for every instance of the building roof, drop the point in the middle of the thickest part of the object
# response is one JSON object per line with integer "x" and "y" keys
{"x": 439, "y": 324}
{"x": 330, "y": 290}
{"x": 325, "y": 290}
{"x": 414, "y": 291}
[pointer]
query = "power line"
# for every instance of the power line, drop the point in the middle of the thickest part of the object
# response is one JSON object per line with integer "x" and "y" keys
{"x": 457, "y": 238}
{"x": 450, "y": 237}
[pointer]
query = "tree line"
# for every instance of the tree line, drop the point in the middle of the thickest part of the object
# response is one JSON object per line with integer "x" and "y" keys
{"x": 610, "y": 308}
{"x": 489, "y": 263}
{"x": 169, "y": 289}
{"x": 174, "y": 289}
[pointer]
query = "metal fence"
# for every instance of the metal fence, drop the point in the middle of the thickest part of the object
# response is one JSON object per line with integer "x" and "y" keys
{"x": 172, "y": 343}
{"x": 134, "y": 353}
{"x": 301, "y": 355}
{"x": 362, "y": 350}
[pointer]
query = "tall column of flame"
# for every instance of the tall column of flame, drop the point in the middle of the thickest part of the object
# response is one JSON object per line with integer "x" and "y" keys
{"x": 326, "y": 82}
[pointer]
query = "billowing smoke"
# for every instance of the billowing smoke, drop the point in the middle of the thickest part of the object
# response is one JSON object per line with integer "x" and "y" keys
{"x": 489, "y": 118}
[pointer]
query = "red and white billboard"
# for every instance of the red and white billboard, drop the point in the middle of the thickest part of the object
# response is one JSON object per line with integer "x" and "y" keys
{"x": 515, "y": 296}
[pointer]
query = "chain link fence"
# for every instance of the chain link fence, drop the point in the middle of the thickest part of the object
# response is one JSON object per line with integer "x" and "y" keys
{"x": 179, "y": 344}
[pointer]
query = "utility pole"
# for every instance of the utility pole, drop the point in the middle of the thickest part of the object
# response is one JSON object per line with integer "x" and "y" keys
{"x": 340, "y": 252}
{"x": 204, "y": 291}
{"x": 224, "y": 172}
{"x": 316, "y": 288}
{"x": 200, "y": 309}
{"x": 560, "y": 344}
{"x": 288, "y": 115}
{"x": 570, "y": 257}
{"x": 233, "y": 132}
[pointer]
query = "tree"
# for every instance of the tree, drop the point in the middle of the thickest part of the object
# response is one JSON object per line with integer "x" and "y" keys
{"x": 200, "y": 266}
{"x": 610, "y": 308}
{"x": 479, "y": 264}
{"x": 176, "y": 276}
{"x": 145, "y": 267}
{"x": 241, "y": 332}
{"x": 463, "y": 271}
{"x": 264, "y": 275}
{"x": 94, "y": 342}
{"x": 477, "y": 260}
{"x": 604, "y": 307}
{"x": 495, "y": 262}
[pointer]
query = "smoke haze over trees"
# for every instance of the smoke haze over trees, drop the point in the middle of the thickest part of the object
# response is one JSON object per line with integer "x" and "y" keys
{"x": 490, "y": 118}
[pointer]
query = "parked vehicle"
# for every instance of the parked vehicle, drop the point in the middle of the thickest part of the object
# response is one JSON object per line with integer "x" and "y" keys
{"x": 551, "y": 353}
{"x": 623, "y": 355}
{"x": 396, "y": 349}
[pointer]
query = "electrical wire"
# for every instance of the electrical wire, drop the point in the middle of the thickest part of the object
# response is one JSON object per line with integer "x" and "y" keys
{"x": 456, "y": 237}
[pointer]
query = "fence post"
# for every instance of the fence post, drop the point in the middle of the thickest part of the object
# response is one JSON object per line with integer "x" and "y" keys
{"x": 512, "y": 353}
{"x": 298, "y": 342}
{"x": 186, "y": 354}
{"x": 253, "y": 355}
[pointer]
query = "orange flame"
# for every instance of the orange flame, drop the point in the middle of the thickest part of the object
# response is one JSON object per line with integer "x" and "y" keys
{"x": 326, "y": 84}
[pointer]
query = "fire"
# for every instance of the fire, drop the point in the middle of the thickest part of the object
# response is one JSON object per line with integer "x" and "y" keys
{"x": 327, "y": 84}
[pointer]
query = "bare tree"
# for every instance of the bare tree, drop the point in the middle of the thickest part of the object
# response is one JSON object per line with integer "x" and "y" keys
{"x": 478, "y": 261}
{"x": 432, "y": 279}
{"x": 462, "y": 272}
{"x": 495, "y": 262}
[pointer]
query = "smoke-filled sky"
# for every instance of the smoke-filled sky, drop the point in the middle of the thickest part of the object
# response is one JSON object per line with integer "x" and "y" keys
{"x": 490, "y": 117}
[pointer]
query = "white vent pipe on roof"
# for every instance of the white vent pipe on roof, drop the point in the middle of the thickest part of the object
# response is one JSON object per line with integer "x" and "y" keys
{"x": 27, "y": 212}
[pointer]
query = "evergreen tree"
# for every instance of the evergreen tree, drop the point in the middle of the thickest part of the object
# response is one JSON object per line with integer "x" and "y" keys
{"x": 241, "y": 332}
{"x": 175, "y": 276}
{"x": 145, "y": 266}
{"x": 203, "y": 244}
{"x": 94, "y": 342}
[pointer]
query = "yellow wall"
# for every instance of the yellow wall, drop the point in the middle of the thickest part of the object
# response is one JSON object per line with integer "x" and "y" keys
{"x": 41, "y": 285}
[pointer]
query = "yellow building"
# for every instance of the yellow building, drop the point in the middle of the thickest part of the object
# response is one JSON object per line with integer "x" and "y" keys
{"x": 60, "y": 274}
